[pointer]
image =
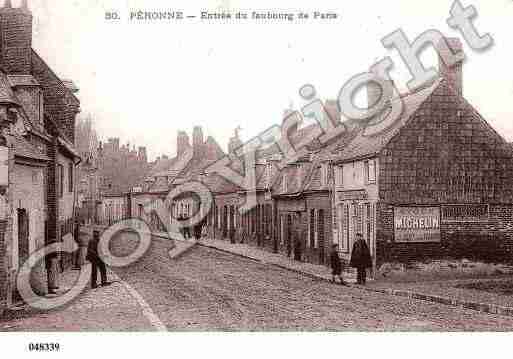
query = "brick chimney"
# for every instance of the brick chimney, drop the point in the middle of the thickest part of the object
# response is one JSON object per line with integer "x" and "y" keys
{"x": 197, "y": 141}
{"x": 452, "y": 74}
{"x": 16, "y": 38}
{"x": 182, "y": 142}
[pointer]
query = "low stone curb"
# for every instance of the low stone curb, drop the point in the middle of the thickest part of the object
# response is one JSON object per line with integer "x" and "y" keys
{"x": 230, "y": 252}
{"x": 307, "y": 274}
{"x": 480, "y": 307}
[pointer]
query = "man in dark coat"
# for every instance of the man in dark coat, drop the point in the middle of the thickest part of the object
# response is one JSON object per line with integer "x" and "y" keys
{"x": 336, "y": 265}
{"x": 96, "y": 261}
{"x": 298, "y": 237}
{"x": 361, "y": 258}
{"x": 197, "y": 230}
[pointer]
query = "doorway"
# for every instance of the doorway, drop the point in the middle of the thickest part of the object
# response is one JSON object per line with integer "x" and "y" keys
{"x": 23, "y": 244}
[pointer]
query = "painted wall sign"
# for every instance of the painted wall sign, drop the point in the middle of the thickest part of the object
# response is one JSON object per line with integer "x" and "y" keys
{"x": 417, "y": 224}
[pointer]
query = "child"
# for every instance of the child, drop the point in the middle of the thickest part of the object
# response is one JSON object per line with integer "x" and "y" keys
{"x": 336, "y": 265}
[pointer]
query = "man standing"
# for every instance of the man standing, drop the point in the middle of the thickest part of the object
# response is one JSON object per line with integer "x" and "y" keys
{"x": 96, "y": 261}
{"x": 298, "y": 237}
{"x": 336, "y": 265}
{"x": 361, "y": 258}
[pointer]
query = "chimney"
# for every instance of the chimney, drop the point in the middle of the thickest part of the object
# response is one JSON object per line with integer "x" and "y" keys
{"x": 452, "y": 74}
{"x": 234, "y": 142}
{"x": 197, "y": 141}
{"x": 16, "y": 38}
{"x": 182, "y": 142}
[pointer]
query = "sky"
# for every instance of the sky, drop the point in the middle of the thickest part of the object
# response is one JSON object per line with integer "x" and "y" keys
{"x": 143, "y": 81}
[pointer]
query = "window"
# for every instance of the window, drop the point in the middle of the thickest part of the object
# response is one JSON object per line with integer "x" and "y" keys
{"x": 339, "y": 176}
{"x": 268, "y": 173}
{"x": 284, "y": 183}
{"x": 60, "y": 181}
{"x": 311, "y": 228}
{"x": 70, "y": 177}
{"x": 324, "y": 175}
{"x": 316, "y": 230}
{"x": 370, "y": 171}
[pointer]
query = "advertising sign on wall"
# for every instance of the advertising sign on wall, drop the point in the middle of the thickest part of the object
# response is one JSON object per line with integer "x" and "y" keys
{"x": 417, "y": 224}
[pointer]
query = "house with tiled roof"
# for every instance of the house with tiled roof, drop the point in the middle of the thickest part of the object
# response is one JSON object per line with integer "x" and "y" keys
{"x": 302, "y": 195}
{"x": 169, "y": 173}
{"x": 37, "y": 119}
{"x": 435, "y": 182}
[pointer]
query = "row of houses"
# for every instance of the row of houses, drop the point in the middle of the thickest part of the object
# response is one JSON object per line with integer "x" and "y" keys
{"x": 435, "y": 183}
{"x": 37, "y": 157}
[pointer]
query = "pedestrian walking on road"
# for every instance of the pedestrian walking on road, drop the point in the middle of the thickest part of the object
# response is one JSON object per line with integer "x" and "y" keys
{"x": 360, "y": 258}
{"x": 96, "y": 261}
{"x": 197, "y": 230}
{"x": 186, "y": 232}
{"x": 336, "y": 265}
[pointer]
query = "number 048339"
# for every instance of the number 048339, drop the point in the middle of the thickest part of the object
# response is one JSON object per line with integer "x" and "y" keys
{"x": 44, "y": 347}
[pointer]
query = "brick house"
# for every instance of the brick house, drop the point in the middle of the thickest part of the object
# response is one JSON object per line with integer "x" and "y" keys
{"x": 40, "y": 111}
{"x": 437, "y": 184}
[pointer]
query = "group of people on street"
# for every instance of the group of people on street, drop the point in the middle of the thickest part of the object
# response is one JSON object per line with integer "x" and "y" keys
{"x": 360, "y": 256}
{"x": 360, "y": 259}
{"x": 197, "y": 230}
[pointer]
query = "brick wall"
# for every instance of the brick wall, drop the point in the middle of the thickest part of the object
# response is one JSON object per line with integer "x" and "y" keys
{"x": 488, "y": 240}
{"x": 15, "y": 40}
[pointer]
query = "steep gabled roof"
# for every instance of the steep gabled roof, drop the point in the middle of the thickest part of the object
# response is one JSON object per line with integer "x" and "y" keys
{"x": 363, "y": 145}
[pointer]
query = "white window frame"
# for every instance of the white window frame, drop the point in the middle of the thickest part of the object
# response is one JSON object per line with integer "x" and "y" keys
{"x": 368, "y": 171}
{"x": 284, "y": 182}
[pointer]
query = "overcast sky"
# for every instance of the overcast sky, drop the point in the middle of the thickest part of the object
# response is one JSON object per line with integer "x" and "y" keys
{"x": 144, "y": 81}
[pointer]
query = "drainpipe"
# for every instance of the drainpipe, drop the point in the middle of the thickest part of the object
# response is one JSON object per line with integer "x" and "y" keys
{"x": 5, "y": 226}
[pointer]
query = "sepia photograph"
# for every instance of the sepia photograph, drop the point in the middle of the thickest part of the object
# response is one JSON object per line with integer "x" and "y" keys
{"x": 256, "y": 174}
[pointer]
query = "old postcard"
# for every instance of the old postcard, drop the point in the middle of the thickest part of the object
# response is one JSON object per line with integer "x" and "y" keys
{"x": 254, "y": 166}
